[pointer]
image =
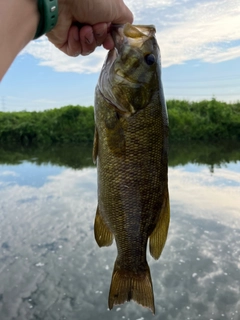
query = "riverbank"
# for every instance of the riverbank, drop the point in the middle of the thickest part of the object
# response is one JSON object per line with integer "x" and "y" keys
{"x": 207, "y": 120}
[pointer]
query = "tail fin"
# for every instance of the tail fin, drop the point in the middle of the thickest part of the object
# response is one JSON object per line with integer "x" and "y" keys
{"x": 127, "y": 285}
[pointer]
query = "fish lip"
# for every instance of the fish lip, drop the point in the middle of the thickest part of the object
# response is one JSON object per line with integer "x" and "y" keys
{"x": 124, "y": 34}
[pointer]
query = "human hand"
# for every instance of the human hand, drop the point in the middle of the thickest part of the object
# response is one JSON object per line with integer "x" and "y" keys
{"x": 95, "y": 17}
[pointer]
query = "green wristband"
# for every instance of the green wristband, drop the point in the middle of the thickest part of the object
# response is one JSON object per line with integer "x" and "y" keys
{"x": 48, "y": 10}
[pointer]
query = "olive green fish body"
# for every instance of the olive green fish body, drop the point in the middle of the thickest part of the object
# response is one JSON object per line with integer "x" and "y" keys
{"x": 130, "y": 146}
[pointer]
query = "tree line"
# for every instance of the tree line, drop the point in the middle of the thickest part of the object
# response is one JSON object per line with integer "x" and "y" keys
{"x": 207, "y": 120}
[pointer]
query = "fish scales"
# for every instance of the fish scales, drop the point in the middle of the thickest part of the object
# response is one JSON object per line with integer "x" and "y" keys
{"x": 131, "y": 151}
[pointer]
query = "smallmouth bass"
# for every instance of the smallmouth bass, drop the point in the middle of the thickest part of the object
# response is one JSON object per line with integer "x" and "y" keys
{"x": 131, "y": 151}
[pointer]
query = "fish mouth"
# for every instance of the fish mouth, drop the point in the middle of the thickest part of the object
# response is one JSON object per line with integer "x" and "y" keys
{"x": 134, "y": 35}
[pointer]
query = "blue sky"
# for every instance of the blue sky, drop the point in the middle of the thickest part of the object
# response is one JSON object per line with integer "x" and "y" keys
{"x": 200, "y": 48}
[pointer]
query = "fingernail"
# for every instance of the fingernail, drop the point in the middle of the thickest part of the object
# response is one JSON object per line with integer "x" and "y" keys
{"x": 89, "y": 38}
{"x": 99, "y": 34}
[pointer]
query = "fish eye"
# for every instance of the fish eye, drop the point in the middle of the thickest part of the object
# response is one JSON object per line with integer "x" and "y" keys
{"x": 150, "y": 59}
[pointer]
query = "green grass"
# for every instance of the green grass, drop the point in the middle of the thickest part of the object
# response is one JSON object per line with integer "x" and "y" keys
{"x": 189, "y": 121}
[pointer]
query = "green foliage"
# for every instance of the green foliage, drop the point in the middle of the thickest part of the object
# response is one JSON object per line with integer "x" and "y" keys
{"x": 205, "y": 120}
{"x": 65, "y": 125}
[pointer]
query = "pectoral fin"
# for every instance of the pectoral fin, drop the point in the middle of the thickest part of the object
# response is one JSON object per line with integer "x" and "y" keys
{"x": 159, "y": 234}
{"x": 95, "y": 146}
{"x": 103, "y": 235}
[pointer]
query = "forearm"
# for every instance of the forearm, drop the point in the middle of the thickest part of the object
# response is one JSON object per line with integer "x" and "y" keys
{"x": 18, "y": 24}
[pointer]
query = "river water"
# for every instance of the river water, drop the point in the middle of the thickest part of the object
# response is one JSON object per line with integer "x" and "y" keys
{"x": 51, "y": 268}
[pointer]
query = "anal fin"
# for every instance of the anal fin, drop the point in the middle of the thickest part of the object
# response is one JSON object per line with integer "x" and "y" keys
{"x": 159, "y": 234}
{"x": 103, "y": 235}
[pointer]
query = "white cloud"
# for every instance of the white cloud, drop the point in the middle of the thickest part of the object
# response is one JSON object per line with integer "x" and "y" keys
{"x": 223, "y": 55}
{"x": 203, "y": 32}
{"x": 187, "y": 30}
{"x": 50, "y": 56}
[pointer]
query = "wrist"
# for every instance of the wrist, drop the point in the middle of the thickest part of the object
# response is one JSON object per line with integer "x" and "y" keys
{"x": 18, "y": 24}
{"x": 48, "y": 10}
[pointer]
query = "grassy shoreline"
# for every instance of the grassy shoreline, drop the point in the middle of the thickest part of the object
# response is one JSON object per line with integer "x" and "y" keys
{"x": 207, "y": 120}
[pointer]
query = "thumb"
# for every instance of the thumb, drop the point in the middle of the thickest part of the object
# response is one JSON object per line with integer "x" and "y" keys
{"x": 123, "y": 14}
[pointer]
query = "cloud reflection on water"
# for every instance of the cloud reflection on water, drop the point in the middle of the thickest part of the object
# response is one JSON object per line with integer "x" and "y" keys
{"x": 207, "y": 195}
{"x": 51, "y": 267}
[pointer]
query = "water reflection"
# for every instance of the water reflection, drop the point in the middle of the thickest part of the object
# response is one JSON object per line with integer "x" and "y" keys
{"x": 74, "y": 156}
{"x": 51, "y": 268}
